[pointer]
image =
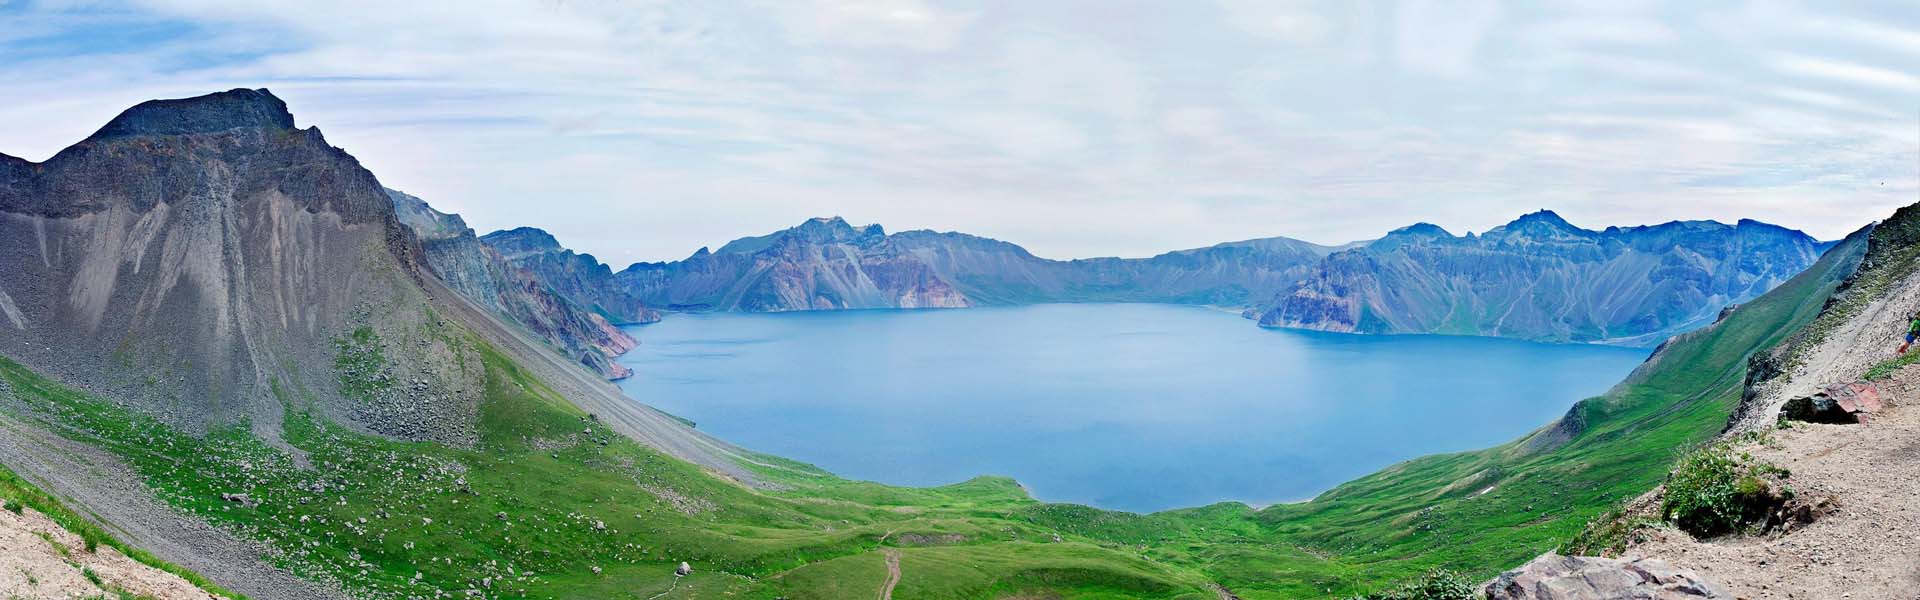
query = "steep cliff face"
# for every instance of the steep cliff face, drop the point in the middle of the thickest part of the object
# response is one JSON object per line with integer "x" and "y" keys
{"x": 204, "y": 260}
{"x": 577, "y": 277}
{"x": 1542, "y": 278}
{"x": 823, "y": 264}
{"x": 478, "y": 272}
{"x": 829, "y": 264}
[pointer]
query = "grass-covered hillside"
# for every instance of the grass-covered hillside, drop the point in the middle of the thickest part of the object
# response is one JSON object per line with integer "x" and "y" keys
{"x": 552, "y": 504}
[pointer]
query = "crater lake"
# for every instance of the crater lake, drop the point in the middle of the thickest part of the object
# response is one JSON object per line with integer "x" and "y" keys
{"x": 1137, "y": 407}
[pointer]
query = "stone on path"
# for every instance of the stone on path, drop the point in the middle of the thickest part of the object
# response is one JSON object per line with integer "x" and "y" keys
{"x": 1556, "y": 577}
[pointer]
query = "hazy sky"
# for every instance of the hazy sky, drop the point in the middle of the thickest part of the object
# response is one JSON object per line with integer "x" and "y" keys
{"x": 642, "y": 130}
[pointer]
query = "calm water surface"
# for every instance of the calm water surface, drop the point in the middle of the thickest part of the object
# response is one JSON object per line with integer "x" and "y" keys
{"x": 1127, "y": 406}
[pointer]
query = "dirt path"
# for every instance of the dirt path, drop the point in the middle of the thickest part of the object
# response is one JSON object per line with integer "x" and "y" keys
{"x": 893, "y": 574}
{"x": 99, "y": 485}
{"x": 1869, "y": 548}
{"x": 44, "y": 560}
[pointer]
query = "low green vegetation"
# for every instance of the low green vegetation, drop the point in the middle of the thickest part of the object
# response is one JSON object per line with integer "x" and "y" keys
{"x": 1436, "y": 584}
{"x": 549, "y": 503}
{"x": 1887, "y": 368}
{"x": 1718, "y": 489}
{"x": 1609, "y": 533}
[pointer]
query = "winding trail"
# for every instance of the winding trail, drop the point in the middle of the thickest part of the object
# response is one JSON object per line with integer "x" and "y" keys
{"x": 893, "y": 574}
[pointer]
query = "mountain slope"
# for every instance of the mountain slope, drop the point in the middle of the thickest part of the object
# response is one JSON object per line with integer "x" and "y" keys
{"x": 1541, "y": 278}
{"x": 220, "y": 274}
{"x": 479, "y": 272}
{"x": 194, "y": 251}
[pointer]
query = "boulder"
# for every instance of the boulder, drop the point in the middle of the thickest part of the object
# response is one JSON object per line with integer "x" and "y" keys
{"x": 1556, "y": 577}
{"x": 683, "y": 570}
{"x": 1838, "y": 403}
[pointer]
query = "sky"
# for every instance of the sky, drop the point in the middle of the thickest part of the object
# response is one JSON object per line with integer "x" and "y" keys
{"x": 642, "y": 130}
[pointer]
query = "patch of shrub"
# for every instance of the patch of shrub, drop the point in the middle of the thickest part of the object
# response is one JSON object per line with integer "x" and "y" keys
{"x": 1608, "y": 534}
{"x": 1436, "y": 584}
{"x": 1886, "y": 369}
{"x": 14, "y": 506}
{"x": 1717, "y": 490}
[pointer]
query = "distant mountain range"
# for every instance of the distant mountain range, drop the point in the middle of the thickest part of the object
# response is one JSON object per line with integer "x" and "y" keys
{"x": 1542, "y": 278}
{"x": 1537, "y": 278}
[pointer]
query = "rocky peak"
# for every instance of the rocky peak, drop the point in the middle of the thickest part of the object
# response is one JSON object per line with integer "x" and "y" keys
{"x": 232, "y": 109}
{"x": 426, "y": 221}
{"x": 1541, "y": 225}
{"x": 1417, "y": 233}
{"x": 831, "y": 230}
{"x": 522, "y": 241}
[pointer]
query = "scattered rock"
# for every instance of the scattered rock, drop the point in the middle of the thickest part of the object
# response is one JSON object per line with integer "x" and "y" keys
{"x": 1556, "y": 577}
{"x": 1839, "y": 404}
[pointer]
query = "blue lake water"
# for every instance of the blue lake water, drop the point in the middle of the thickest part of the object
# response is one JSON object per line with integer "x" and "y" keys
{"x": 1137, "y": 407}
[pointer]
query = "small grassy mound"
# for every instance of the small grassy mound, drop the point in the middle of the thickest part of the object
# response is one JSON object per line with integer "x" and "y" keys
{"x": 1718, "y": 489}
{"x": 1436, "y": 584}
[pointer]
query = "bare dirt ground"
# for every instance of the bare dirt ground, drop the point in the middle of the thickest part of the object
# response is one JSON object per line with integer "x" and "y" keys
{"x": 1869, "y": 548}
{"x": 41, "y": 560}
{"x": 97, "y": 484}
{"x": 893, "y": 574}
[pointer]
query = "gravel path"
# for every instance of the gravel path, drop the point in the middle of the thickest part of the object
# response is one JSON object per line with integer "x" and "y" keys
{"x": 45, "y": 561}
{"x": 1869, "y": 548}
{"x": 99, "y": 485}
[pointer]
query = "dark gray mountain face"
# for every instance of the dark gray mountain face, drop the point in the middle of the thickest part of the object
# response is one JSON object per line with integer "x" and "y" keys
{"x": 478, "y": 272}
{"x": 823, "y": 264}
{"x": 205, "y": 261}
{"x": 577, "y": 277}
{"x": 828, "y": 264}
{"x": 1540, "y": 278}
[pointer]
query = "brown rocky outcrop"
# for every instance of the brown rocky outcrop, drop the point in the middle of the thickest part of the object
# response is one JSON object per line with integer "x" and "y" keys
{"x": 1556, "y": 577}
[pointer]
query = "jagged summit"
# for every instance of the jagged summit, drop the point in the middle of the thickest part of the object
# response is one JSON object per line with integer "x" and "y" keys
{"x": 1541, "y": 224}
{"x": 817, "y": 230}
{"x": 521, "y": 241}
{"x": 1415, "y": 234}
{"x": 1544, "y": 217}
{"x": 232, "y": 109}
{"x": 1422, "y": 229}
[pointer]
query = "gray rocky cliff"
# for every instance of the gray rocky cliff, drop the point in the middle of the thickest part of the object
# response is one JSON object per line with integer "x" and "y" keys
{"x": 481, "y": 274}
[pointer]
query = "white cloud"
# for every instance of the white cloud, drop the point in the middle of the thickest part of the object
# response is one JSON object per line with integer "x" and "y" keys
{"x": 1303, "y": 23}
{"x": 910, "y": 24}
{"x": 1442, "y": 38}
{"x": 1847, "y": 72}
{"x": 1076, "y": 130}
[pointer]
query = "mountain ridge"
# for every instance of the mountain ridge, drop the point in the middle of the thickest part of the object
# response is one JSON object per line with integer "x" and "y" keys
{"x": 825, "y": 263}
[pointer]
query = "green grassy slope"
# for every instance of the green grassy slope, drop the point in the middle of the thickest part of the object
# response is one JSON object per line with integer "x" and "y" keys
{"x": 550, "y": 504}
